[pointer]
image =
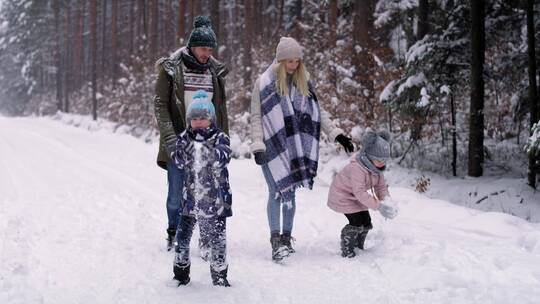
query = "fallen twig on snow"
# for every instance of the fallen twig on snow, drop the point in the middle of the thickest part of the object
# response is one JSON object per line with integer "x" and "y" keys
{"x": 491, "y": 194}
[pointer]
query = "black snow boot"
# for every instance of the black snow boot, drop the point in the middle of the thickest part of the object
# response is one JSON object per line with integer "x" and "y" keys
{"x": 362, "y": 236}
{"x": 219, "y": 278}
{"x": 181, "y": 274}
{"x": 349, "y": 240}
{"x": 286, "y": 239}
{"x": 171, "y": 233}
{"x": 279, "y": 251}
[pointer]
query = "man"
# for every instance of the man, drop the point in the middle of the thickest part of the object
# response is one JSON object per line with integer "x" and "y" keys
{"x": 187, "y": 70}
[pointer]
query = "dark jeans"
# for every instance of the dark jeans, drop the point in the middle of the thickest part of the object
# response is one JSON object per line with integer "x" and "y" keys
{"x": 359, "y": 219}
{"x": 213, "y": 230}
{"x": 175, "y": 178}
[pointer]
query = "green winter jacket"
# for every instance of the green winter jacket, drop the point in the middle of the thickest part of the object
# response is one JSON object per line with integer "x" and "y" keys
{"x": 169, "y": 104}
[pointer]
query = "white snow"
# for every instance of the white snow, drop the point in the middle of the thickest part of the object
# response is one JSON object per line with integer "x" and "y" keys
{"x": 387, "y": 92}
{"x": 424, "y": 100}
{"x": 412, "y": 81}
{"x": 82, "y": 220}
{"x": 417, "y": 51}
{"x": 445, "y": 90}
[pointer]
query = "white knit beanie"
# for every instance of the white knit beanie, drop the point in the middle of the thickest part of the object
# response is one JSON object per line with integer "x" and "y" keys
{"x": 288, "y": 48}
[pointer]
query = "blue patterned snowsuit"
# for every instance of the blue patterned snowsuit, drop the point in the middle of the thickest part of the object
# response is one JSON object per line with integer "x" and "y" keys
{"x": 203, "y": 154}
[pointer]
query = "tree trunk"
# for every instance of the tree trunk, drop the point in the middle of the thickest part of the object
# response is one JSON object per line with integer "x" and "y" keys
{"x": 78, "y": 49}
{"x": 154, "y": 30}
{"x": 229, "y": 32}
{"x": 248, "y": 35}
{"x": 104, "y": 40}
{"x": 114, "y": 41}
{"x": 131, "y": 31}
{"x": 454, "y": 135}
{"x": 423, "y": 25}
{"x": 68, "y": 58}
{"x": 168, "y": 35}
{"x": 144, "y": 24}
{"x": 279, "y": 25}
{"x": 333, "y": 15}
{"x": 82, "y": 56}
{"x": 297, "y": 28}
{"x": 191, "y": 11}
{"x": 363, "y": 45}
{"x": 476, "y": 122}
{"x": 58, "y": 54}
{"x": 214, "y": 14}
{"x": 181, "y": 22}
{"x": 262, "y": 22}
{"x": 84, "y": 45}
{"x": 93, "y": 49}
{"x": 533, "y": 111}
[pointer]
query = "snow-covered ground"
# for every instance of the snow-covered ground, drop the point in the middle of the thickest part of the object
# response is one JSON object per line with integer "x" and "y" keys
{"x": 82, "y": 220}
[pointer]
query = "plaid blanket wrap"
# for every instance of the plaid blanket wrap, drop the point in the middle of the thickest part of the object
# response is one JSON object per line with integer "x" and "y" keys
{"x": 291, "y": 131}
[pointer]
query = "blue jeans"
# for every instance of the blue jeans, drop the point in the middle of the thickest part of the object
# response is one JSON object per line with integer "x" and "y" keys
{"x": 175, "y": 178}
{"x": 275, "y": 207}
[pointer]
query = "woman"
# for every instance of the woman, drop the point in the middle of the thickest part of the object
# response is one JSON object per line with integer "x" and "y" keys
{"x": 286, "y": 120}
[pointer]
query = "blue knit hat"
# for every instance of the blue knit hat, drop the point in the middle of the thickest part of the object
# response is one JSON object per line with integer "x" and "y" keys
{"x": 202, "y": 33}
{"x": 201, "y": 107}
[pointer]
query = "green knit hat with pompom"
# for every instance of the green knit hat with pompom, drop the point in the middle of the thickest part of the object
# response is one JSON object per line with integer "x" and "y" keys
{"x": 202, "y": 33}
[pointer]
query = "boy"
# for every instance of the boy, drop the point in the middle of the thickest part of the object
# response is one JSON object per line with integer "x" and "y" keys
{"x": 203, "y": 152}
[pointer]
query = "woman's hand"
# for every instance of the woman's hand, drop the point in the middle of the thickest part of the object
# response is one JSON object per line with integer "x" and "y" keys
{"x": 345, "y": 142}
{"x": 260, "y": 158}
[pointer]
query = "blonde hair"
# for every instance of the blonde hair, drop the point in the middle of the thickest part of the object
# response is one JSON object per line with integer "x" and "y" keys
{"x": 299, "y": 79}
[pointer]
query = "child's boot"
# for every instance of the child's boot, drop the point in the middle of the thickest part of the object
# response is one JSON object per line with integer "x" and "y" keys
{"x": 362, "y": 236}
{"x": 349, "y": 240}
{"x": 171, "y": 233}
{"x": 279, "y": 251}
{"x": 286, "y": 241}
{"x": 219, "y": 278}
{"x": 181, "y": 274}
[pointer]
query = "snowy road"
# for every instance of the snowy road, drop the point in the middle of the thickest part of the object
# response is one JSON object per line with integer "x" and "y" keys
{"x": 82, "y": 220}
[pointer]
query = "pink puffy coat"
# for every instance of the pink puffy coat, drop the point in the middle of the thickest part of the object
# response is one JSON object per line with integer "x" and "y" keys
{"x": 351, "y": 189}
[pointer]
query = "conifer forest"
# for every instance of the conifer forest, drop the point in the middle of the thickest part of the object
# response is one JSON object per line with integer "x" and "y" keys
{"x": 454, "y": 81}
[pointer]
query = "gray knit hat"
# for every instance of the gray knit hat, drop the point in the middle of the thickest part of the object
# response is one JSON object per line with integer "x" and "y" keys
{"x": 376, "y": 145}
{"x": 202, "y": 33}
{"x": 288, "y": 48}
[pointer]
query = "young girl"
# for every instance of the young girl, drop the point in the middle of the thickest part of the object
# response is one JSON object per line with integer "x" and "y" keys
{"x": 203, "y": 152}
{"x": 361, "y": 186}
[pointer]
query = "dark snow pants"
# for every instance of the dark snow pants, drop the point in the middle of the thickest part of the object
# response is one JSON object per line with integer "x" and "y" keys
{"x": 211, "y": 229}
{"x": 359, "y": 219}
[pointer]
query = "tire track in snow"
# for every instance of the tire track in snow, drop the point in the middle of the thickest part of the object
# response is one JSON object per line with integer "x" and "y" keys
{"x": 101, "y": 167}
{"x": 10, "y": 189}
